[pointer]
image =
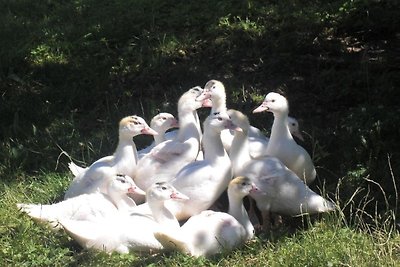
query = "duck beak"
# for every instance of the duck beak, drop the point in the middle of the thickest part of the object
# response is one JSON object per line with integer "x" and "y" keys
{"x": 231, "y": 126}
{"x": 175, "y": 123}
{"x": 148, "y": 130}
{"x": 207, "y": 103}
{"x": 253, "y": 189}
{"x": 136, "y": 190}
{"x": 205, "y": 95}
{"x": 261, "y": 108}
{"x": 177, "y": 195}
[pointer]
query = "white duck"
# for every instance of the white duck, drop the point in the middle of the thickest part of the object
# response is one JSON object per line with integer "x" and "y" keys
{"x": 281, "y": 191}
{"x": 281, "y": 143}
{"x": 205, "y": 180}
{"x": 96, "y": 176}
{"x": 211, "y": 232}
{"x": 126, "y": 233}
{"x": 87, "y": 206}
{"x": 166, "y": 159}
{"x": 161, "y": 123}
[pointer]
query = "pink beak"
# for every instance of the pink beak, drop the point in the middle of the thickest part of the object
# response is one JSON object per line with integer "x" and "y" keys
{"x": 177, "y": 195}
{"x": 205, "y": 95}
{"x": 136, "y": 190}
{"x": 207, "y": 103}
{"x": 254, "y": 189}
{"x": 231, "y": 126}
{"x": 261, "y": 108}
{"x": 175, "y": 123}
{"x": 148, "y": 130}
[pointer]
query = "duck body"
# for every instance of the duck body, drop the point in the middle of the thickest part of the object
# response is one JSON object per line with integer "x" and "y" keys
{"x": 164, "y": 161}
{"x": 205, "y": 234}
{"x": 211, "y": 232}
{"x": 281, "y": 143}
{"x": 204, "y": 181}
{"x": 95, "y": 177}
{"x": 281, "y": 191}
{"x": 89, "y": 207}
{"x": 125, "y": 233}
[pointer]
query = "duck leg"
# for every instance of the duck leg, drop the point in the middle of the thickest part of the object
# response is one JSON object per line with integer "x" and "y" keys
{"x": 277, "y": 220}
{"x": 253, "y": 214}
{"x": 266, "y": 220}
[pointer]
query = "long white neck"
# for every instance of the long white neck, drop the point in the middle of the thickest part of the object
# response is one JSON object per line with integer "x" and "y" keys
{"x": 162, "y": 215}
{"x": 122, "y": 202}
{"x": 218, "y": 104}
{"x": 188, "y": 125}
{"x": 239, "y": 151}
{"x": 280, "y": 128}
{"x": 126, "y": 150}
{"x": 159, "y": 138}
{"x": 212, "y": 145}
{"x": 198, "y": 124}
{"x": 237, "y": 210}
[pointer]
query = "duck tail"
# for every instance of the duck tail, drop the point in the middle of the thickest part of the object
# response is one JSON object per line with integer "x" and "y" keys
{"x": 172, "y": 242}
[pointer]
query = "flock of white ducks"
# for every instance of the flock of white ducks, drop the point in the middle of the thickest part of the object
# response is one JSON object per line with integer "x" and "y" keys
{"x": 161, "y": 197}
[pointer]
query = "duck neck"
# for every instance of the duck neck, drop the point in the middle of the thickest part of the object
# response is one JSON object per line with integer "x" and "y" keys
{"x": 162, "y": 215}
{"x": 188, "y": 126}
{"x": 159, "y": 138}
{"x": 126, "y": 150}
{"x": 238, "y": 211}
{"x": 280, "y": 128}
{"x": 122, "y": 202}
{"x": 198, "y": 124}
{"x": 212, "y": 145}
{"x": 219, "y": 105}
{"x": 239, "y": 151}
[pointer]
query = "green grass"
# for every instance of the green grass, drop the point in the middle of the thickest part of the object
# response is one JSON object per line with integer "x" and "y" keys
{"x": 69, "y": 70}
{"x": 329, "y": 240}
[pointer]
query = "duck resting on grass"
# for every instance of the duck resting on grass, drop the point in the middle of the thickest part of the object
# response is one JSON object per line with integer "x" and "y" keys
{"x": 88, "y": 207}
{"x": 212, "y": 232}
{"x": 95, "y": 178}
{"x": 132, "y": 232}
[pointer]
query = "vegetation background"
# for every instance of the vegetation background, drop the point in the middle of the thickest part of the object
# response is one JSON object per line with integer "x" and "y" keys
{"x": 69, "y": 70}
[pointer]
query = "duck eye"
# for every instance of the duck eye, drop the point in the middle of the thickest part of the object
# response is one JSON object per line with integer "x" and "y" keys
{"x": 121, "y": 178}
{"x": 293, "y": 124}
{"x": 164, "y": 188}
{"x": 219, "y": 118}
{"x": 164, "y": 118}
{"x": 273, "y": 100}
{"x": 243, "y": 184}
